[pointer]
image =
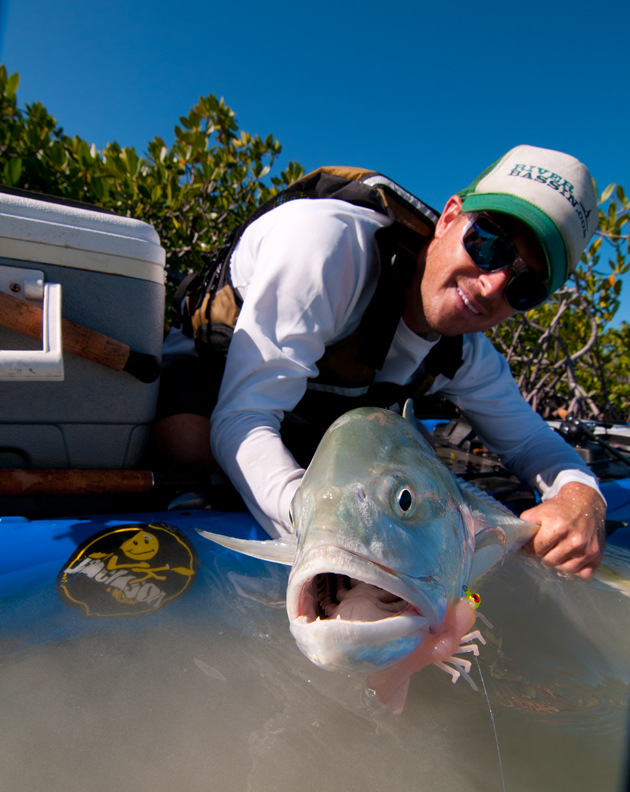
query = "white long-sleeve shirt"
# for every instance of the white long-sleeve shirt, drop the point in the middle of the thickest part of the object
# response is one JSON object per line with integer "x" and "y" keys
{"x": 306, "y": 272}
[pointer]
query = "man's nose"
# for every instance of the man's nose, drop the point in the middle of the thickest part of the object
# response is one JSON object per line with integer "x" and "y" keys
{"x": 494, "y": 283}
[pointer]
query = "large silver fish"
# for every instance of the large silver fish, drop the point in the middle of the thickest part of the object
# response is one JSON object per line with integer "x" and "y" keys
{"x": 386, "y": 542}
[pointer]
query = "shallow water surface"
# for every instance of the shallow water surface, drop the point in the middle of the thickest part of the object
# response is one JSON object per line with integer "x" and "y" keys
{"x": 211, "y": 693}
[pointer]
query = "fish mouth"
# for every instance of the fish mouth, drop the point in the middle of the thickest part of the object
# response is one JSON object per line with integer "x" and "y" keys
{"x": 334, "y": 583}
{"x": 330, "y": 595}
{"x": 347, "y": 611}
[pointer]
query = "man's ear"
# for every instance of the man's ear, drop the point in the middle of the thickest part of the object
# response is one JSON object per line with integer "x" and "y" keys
{"x": 451, "y": 213}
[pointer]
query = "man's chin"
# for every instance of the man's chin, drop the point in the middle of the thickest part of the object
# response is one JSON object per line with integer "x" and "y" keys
{"x": 458, "y": 325}
{"x": 459, "y": 322}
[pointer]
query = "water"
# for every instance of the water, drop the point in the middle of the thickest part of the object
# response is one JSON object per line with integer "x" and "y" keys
{"x": 212, "y": 694}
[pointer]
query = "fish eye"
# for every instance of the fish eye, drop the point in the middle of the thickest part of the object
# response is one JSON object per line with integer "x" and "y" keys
{"x": 404, "y": 501}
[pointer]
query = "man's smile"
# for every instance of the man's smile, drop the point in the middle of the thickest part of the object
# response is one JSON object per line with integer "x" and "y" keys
{"x": 467, "y": 302}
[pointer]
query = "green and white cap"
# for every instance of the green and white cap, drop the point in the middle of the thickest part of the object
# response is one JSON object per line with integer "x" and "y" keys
{"x": 551, "y": 192}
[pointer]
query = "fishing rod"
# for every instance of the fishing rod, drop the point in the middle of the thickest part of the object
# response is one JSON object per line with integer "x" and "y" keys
{"x": 91, "y": 482}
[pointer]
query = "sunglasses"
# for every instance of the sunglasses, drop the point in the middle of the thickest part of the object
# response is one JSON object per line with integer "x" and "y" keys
{"x": 492, "y": 251}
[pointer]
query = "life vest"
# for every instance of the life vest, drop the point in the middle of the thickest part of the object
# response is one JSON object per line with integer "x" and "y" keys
{"x": 210, "y": 305}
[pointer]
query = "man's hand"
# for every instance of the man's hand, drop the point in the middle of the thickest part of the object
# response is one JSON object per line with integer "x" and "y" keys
{"x": 571, "y": 536}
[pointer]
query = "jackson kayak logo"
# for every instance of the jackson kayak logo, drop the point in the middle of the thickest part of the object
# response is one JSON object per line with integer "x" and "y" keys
{"x": 129, "y": 570}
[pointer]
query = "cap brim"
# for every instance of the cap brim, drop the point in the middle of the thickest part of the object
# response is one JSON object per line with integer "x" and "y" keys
{"x": 546, "y": 231}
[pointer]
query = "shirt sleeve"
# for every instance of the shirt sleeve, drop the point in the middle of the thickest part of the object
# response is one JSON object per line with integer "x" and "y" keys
{"x": 306, "y": 274}
{"x": 486, "y": 392}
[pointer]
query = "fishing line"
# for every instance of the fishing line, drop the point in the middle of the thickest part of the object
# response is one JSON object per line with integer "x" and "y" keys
{"x": 494, "y": 726}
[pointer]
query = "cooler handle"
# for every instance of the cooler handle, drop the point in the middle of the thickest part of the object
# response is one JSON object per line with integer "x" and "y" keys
{"x": 44, "y": 364}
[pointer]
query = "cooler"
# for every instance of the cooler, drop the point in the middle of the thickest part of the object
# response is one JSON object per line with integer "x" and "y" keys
{"x": 106, "y": 273}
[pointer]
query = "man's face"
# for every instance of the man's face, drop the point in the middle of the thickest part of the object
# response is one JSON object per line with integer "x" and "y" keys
{"x": 449, "y": 294}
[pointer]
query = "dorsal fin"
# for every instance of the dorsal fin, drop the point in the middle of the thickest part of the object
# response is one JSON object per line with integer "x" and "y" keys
{"x": 468, "y": 487}
{"x": 409, "y": 414}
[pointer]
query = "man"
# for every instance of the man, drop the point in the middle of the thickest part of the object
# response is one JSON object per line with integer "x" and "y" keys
{"x": 316, "y": 286}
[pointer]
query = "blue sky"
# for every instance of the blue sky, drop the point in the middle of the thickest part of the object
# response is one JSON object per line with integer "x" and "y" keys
{"x": 429, "y": 94}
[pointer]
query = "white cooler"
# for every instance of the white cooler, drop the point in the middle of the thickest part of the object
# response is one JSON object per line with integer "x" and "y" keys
{"x": 102, "y": 271}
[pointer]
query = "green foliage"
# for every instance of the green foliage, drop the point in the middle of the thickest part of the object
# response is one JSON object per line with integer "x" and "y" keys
{"x": 565, "y": 353}
{"x": 193, "y": 192}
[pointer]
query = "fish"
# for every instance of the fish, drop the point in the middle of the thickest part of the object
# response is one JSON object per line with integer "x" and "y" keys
{"x": 386, "y": 544}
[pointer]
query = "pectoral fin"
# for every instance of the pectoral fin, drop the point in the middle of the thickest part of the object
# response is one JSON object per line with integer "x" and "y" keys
{"x": 497, "y": 530}
{"x": 281, "y": 551}
{"x": 489, "y": 550}
{"x": 489, "y": 513}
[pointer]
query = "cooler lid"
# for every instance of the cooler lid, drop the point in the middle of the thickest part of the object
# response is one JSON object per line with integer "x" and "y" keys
{"x": 52, "y": 230}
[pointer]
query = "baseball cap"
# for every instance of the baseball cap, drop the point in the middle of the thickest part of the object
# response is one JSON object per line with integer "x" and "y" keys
{"x": 549, "y": 191}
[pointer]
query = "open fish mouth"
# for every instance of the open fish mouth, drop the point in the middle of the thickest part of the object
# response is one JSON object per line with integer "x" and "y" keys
{"x": 348, "y": 612}
{"x": 332, "y": 583}
{"x": 330, "y": 595}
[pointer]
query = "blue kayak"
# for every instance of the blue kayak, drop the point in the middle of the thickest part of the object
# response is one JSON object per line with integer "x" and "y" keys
{"x": 192, "y": 678}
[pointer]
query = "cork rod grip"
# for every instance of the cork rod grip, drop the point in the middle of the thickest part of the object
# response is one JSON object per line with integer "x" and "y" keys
{"x": 26, "y": 318}
{"x": 74, "y": 482}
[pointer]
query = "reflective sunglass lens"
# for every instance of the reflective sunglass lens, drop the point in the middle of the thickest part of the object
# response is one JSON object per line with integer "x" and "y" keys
{"x": 487, "y": 247}
{"x": 491, "y": 251}
{"x": 525, "y": 291}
